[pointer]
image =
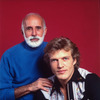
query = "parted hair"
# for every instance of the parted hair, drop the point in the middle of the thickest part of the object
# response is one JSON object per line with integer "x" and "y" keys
{"x": 59, "y": 44}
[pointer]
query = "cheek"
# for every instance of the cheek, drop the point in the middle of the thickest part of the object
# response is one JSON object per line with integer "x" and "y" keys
{"x": 71, "y": 69}
{"x": 40, "y": 33}
{"x": 27, "y": 34}
{"x": 53, "y": 67}
{"x": 70, "y": 64}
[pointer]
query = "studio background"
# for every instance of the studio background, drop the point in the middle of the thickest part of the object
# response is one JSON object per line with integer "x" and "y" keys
{"x": 78, "y": 20}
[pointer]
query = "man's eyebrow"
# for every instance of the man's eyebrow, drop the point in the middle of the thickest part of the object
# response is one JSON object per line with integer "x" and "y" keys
{"x": 53, "y": 59}
{"x": 28, "y": 27}
{"x": 39, "y": 27}
{"x": 61, "y": 57}
{"x": 65, "y": 56}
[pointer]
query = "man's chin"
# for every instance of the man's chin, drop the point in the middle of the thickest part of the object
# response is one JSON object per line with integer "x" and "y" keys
{"x": 34, "y": 44}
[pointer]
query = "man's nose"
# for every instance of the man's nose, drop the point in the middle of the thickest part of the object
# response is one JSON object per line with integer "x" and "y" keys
{"x": 60, "y": 63}
{"x": 34, "y": 33}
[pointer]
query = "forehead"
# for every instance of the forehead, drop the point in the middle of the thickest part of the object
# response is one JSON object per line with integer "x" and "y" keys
{"x": 33, "y": 20}
{"x": 60, "y": 54}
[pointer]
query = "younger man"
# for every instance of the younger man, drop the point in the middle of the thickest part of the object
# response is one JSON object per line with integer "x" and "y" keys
{"x": 69, "y": 81}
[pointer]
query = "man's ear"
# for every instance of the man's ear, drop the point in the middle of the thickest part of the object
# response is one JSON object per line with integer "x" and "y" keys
{"x": 45, "y": 31}
{"x": 21, "y": 31}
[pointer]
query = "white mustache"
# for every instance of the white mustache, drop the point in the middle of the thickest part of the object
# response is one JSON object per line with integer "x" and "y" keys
{"x": 32, "y": 37}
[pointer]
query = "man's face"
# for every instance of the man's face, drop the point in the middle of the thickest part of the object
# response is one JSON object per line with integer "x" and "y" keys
{"x": 62, "y": 64}
{"x": 34, "y": 31}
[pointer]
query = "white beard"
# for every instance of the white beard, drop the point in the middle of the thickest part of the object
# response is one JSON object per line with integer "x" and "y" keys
{"x": 34, "y": 44}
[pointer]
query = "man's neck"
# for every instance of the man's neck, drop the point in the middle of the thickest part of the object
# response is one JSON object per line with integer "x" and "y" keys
{"x": 64, "y": 91}
{"x": 63, "y": 83}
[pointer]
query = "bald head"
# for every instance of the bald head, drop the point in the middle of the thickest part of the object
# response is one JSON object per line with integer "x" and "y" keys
{"x": 32, "y": 15}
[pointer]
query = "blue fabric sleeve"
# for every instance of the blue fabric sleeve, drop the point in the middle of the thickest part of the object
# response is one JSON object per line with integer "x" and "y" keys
{"x": 6, "y": 79}
{"x": 7, "y": 94}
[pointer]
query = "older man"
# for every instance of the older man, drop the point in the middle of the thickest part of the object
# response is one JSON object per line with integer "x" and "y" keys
{"x": 21, "y": 66}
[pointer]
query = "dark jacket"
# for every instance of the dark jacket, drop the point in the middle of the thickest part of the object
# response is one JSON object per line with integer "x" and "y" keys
{"x": 82, "y": 86}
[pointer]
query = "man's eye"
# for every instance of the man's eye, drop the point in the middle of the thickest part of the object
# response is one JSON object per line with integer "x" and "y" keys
{"x": 53, "y": 60}
{"x": 65, "y": 58}
{"x": 29, "y": 28}
{"x": 38, "y": 27}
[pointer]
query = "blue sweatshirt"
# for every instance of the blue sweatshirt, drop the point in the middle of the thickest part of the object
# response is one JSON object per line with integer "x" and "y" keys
{"x": 19, "y": 66}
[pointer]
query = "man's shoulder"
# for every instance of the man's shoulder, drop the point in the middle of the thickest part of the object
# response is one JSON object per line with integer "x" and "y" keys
{"x": 13, "y": 49}
{"x": 52, "y": 78}
{"x": 87, "y": 74}
{"x": 15, "y": 46}
{"x": 83, "y": 72}
{"x": 47, "y": 93}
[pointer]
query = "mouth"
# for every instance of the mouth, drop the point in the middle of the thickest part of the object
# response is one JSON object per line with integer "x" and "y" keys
{"x": 61, "y": 71}
{"x": 34, "y": 40}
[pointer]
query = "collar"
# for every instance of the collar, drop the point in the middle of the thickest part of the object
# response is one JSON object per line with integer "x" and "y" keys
{"x": 76, "y": 78}
{"x": 26, "y": 46}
